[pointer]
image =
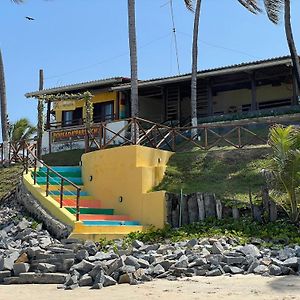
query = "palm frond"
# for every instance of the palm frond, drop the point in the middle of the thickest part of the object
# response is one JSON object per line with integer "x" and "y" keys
{"x": 274, "y": 9}
{"x": 251, "y": 5}
{"x": 17, "y": 1}
{"x": 189, "y": 4}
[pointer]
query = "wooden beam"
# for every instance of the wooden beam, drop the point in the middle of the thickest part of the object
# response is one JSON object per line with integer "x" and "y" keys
{"x": 253, "y": 92}
{"x": 210, "y": 98}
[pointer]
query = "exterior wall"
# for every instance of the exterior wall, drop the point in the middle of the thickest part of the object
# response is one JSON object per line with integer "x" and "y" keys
{"x": 151, "y": 109}
{"x": 237, "y": 98}
{"x": 129, "y": 172}
{"x": 99, "y": 97}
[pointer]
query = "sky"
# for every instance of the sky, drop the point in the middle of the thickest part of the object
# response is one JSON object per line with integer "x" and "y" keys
{"x": 81, "y": 40}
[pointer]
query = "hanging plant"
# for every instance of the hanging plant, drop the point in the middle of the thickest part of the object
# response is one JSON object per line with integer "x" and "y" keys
{"x": 89, "y": 109}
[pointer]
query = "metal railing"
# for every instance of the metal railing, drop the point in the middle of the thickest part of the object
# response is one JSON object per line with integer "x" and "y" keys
{"x": 29, "y": 160}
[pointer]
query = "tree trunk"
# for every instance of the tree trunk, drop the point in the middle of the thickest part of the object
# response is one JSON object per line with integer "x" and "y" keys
{"x": 194, "y": 120}
{"x": 133, "y": 67}
{"x": 40, "y": 117}
{"x": 3, "y": 102}
{"x": 290, "y": 40}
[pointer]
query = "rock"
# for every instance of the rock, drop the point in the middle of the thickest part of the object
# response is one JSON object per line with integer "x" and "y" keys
{"x": 85, "y": 280}
{"x": 250, "y": 250}
{"x": 235, "y": 270}
{"x": 91, "y": 247}
{"x": 137, "y": 244}
{"x": 217, "y": 248}
{"x": 275, "y": 270}
{"x": 4, "y": 274}
{"x": 143, "y": 263}
{"x": 158, "y": 269}
{"x": 292, "y": 262}
{"x": 215, "y": 272}
{"x": 42, "y": 278}
{"x": 261, "y": 269}
{"x": 97, "y": 286}
{"x": 23, "y": 258}
{"x": 84, "y": 266}
{"x": 132, "y": 261}
{"x": 230, "y": 260}
{"x": 191, "y": 243}
{"x": 46, "y": 268}
{"x": 127, "y": 269}
{"x": 109, "y": 281}
{"x": 82, "y": 254}
{"x": 71, "y": 280}
{"x": 7, "y": 263}
{"x": 20, "y": 268}
{"x": 125, "y": 278}
{"x": 252, "y": 266}
{"x": 115, "y": 266}
{"x": 95, "y": 271}
{"x": 182, "y": 262}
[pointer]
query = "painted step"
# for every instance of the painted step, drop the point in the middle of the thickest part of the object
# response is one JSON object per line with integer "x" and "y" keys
{"x": 57, "y": 181}
{"x": 57, "y": 188}
{"x": 64, "y": 174}
{"x": 93, "y": 211}
{"x": 111, "y": 223}
{"x": 100, "y": 218}
{"x": 62, "y": 169}
{"x": 68, "y": 193}
{"x": 84, "y": 203}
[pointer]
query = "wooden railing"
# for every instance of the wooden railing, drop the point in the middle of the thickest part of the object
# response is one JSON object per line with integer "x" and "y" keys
{"x": 138, "y": 131}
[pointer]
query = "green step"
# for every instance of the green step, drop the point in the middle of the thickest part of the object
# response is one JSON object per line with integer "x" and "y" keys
{"x": 64, "y": 174}
{"x": 92, "y": 211}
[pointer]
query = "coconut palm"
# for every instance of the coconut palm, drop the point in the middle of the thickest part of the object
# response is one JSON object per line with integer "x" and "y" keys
{"x": 3, "y": 102}
{"x": 21, "y": 131}
{"x": 250, "y": 5}
{"x": 275, "y": 9}
{"x": 285, "y": 167}
{"x": 133, "y": 65}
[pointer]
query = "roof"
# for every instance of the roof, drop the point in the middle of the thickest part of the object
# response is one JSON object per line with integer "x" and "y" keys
{"x": 80, "y": 86}
{"x": 243, "y": 67}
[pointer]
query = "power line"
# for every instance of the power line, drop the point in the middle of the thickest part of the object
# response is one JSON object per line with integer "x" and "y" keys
{"x": 108, "y": 59}
{"x": 175, "y": 36}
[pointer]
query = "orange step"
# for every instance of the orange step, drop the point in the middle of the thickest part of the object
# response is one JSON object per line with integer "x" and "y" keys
{"x": 103, "y": 218}
{"x": 83, "y": 202}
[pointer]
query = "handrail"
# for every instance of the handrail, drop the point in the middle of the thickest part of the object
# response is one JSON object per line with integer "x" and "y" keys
{"x": 62, "y": 179}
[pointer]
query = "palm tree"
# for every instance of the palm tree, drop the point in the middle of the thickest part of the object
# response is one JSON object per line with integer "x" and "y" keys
{"x": 3, "y": 102}
{"x": 133, "y": 65}
{"x": 250, "y": 5}
{"x": 20, "y": 132}
{"x": 285, "y": 169}
{"x": 275, "y": 9}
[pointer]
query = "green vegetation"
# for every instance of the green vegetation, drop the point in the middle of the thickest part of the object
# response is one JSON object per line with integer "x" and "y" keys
{"x": 285, "y": 166}
{"x": 227, "y": 172}
{"x": 64, "y": 158}
{"x": 9, "y": 179}
{"x": 276, "y": 234}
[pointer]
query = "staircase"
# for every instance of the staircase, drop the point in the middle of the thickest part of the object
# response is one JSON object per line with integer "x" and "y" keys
{"x": 95, "y": 221}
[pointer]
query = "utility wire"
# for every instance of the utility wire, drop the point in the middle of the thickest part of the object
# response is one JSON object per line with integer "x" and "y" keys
{"x": 175, "y": 35}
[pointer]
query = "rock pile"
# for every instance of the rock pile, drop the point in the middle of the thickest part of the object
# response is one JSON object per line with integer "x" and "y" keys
{"x": 32, "y": 256}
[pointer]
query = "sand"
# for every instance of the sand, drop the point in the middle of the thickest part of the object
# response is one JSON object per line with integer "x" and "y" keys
{"x": 236, "y": 287}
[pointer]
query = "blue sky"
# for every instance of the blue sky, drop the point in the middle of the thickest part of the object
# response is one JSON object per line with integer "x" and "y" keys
{"x": 82, "y": 40}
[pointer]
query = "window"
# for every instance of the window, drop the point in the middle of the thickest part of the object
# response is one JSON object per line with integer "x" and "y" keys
{"x": 104, "y": 111}
{"x": 72, "y": 117}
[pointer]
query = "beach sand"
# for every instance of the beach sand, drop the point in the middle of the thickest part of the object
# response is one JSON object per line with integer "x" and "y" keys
{"x": 224, "y": 287}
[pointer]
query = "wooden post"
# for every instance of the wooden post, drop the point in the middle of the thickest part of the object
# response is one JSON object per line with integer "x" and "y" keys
{"x": 210, "y": 99}
{"x": 201, "y": 206}
{"x": 40, "y": 120}
{"x": 253, "y": 92}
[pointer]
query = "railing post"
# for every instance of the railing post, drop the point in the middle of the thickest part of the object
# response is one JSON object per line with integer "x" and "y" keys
{"x": 27, "y": 158}
{"x": 9, "y": 154}
{"x": 205, "y": 138}
{"x": 34, "y": 174}
{"x": 61, "y": 192}
{"x": 78, "y": 204}
{"x": 173, "y": 142}
{"x": 47, "y": 182}
{"x": 239, "y": 137}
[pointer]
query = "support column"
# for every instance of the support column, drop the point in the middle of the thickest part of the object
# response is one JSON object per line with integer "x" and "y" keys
{"x": 253, "y": 92}
{"x": 210, "y": 98}
{"x": 40, "y": 117}
{"x": 295, "y": 96}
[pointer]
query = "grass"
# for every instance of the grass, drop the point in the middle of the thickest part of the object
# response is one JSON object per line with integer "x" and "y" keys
{"x": 227, "y": 172}
{"x": 64, "y": 158}
{"x": 9, "y": 179}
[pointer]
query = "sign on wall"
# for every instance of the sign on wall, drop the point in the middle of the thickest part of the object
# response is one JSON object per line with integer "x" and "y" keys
{"x": 71, "y": 134}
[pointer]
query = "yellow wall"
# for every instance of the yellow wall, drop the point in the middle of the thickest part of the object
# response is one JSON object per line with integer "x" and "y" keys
{"x": 237, "y": 98}
{"x": 130, "y": 172}
{"x": 99, "y": 97}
